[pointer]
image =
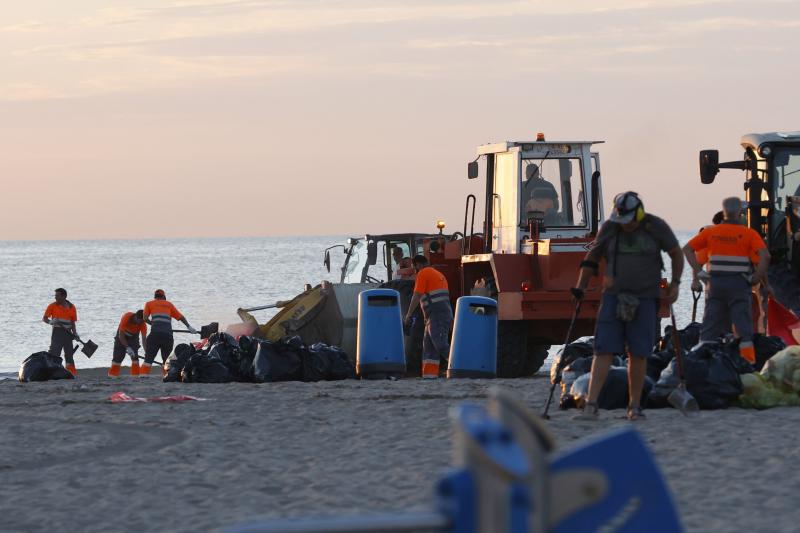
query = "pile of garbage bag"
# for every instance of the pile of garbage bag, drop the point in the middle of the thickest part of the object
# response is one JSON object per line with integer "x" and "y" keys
{"x": 778, "y": 383}
{"x": 41, "y": 366}
{"x": 225, "y": 359}
{"x": 713, "y": 372}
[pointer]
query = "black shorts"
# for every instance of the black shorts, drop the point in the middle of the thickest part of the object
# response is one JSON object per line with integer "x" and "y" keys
{"x": 156, "y": 342}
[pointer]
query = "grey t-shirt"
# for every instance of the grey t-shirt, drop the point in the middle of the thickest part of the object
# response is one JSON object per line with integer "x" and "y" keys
{"x": 633, "y": 259}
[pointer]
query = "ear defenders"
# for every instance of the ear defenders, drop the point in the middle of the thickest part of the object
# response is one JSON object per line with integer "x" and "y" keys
{"x": 640, "y": 212}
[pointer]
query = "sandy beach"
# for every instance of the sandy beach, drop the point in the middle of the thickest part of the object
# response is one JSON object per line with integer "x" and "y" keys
{"x": 72, "y": 461}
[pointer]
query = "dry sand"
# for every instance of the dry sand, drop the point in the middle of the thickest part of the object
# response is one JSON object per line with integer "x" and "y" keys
{"x": 72, "y": 461}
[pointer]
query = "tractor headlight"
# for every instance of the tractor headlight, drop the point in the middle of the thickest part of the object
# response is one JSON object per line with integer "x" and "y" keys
{"x": 765, "y": 151}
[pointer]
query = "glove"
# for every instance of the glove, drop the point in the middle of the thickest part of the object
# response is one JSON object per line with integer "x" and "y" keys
{"x": 577, "y": 293}
{"x": 704, "y": 276}
{"x": 130, "y": 351}
{"x": 192, "y": 330}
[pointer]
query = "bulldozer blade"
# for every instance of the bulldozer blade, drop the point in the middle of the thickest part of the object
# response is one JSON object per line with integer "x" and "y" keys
{"x": 89, "y": 348}
{"x": 680, "y": 399}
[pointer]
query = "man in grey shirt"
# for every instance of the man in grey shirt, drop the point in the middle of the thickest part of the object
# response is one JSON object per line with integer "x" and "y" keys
{"x": 631, "y": 243}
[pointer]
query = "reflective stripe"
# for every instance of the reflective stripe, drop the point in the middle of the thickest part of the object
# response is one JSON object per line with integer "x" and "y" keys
{"x": 62, "y": 321}
{"x": 729, "y": 263}
{"x": 161, "y": 318}
{"x": 439, "y": 295}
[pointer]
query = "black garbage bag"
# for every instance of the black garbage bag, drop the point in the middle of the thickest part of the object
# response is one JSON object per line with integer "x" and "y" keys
{"x": 41, "y": 366}
{"x": 766, "y": 346}
{"x": 204, "y": 368}
{"x": 573, "y": 351}
{"x": 689, "y": 337}
{"x": 248, "y": 346}
{"x": 658, "y": 361}
{"x": 614, "y": 394}
{"x": 326, "y": 363}
{"x": 176, "y": 361}
{"x": 575, "y": 370}
{"x": 711, "y": 377}
{"x": 277, "y": 362}
{"x": 223, "y": 338}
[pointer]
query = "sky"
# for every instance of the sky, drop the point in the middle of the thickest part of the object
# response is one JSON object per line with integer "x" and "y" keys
{"x": 169, "y": 118}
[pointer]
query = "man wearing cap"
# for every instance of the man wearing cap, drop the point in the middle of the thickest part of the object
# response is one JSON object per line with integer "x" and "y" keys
{"x": 159, "y": 313}
{"x": 732, "y": 248}
{"x": 630, "y": 243}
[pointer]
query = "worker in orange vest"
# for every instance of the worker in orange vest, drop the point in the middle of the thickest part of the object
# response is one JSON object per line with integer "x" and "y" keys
{"x": 62, "y": 315}
{"x": 431, "y": 290}
{"x": 159, "y": 313}
{"x": 126, "y": 342}
{"x": 731, "y": 247}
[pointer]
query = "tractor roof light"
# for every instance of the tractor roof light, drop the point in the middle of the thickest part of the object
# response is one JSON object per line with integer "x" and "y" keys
{"x": 765, "y": 151}
{"x": 540, "y": 137}
{"x": 440, "y": 225}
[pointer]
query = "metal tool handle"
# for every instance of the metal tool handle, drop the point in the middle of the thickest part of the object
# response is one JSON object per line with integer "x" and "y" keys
{"x": 560, "y": 366}
{"x": 696, "y": 297}
{"x": 676, "y": 343}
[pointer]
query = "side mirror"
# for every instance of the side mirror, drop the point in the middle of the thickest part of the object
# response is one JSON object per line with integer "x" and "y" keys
{"x": 472, "y": 170}
{"x": 372, "y": 253}
{"x": 565, "y": 169}
{"x": 327, "y": 260}
{"x": 709, "y": 165}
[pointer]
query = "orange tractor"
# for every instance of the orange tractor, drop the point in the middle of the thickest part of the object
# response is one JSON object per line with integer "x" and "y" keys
{"x": 542, "y": 207}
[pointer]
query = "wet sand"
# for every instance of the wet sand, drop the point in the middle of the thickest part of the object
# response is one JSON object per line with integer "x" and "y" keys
{"x": 72, "y": 461}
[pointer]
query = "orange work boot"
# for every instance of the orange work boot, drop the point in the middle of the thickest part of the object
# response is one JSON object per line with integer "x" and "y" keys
{"x": 71, "y": 369}
{"x": 114, "y": 370}
{"x": 748, "y": 352}
{"x": 144, "y": 370}
{"x": 135, "y": 368}
{"x": 430, "y": 369}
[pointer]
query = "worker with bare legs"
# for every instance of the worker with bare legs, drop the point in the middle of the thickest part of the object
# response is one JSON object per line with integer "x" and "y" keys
{"x": 62, "y": 315}
{"x": 126, "y": 342}
{"x": 731, "y": 248}
{"x": 431, "y": 290}
{"x": 630, "y": 243}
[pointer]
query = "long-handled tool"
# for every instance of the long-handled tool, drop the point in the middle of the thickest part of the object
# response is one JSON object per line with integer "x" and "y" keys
{"x": 205, "y": 331}
{"x": 680, "y": 398}
{"x": 561, "y": 361}
{"x": 696, "y": 297}
{"x": 88, "y": 348}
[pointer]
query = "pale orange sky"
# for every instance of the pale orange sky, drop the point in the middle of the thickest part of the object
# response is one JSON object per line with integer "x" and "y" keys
{"x": 225, "y": 118}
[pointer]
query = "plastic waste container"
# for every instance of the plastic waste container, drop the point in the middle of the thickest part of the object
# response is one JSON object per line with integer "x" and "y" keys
{"x": 379, "y": 348}
{"x": 473, "y": 350}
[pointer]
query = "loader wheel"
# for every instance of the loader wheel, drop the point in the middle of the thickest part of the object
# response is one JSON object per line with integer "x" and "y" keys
{"x": 413, "y": 342}
{"x": 537, "y": 354}
{"x": 512, "y": 344}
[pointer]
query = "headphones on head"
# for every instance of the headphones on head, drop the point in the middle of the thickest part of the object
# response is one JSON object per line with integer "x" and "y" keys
{"x": 640, "y": 213}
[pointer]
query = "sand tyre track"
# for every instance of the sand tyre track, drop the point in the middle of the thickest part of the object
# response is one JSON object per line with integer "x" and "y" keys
{"x": 120, "y": 439}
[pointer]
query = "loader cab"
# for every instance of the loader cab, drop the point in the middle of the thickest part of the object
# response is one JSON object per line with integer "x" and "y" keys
{"x": 771, "y": 163}
{"x": 369, "y": 259}
{"x": 539, "y": 190}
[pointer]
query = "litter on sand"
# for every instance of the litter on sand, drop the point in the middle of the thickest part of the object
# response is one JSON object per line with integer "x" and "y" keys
{"x": 121, "y": 397}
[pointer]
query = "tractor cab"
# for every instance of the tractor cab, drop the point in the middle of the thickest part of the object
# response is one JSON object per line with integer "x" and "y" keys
{"x": 771, "y": 163}
{"x": 543, "y": 206}
{"x": 370, "y": 259}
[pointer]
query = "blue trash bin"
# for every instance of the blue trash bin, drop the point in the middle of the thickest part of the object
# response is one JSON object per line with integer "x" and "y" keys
{"x": 473, "y": 350}
{"x": 379, "y": 349}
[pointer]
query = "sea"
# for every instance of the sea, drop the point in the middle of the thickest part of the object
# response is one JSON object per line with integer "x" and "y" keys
{"x": 207, "y": 279}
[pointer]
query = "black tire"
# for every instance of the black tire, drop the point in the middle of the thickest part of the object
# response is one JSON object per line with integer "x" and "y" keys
{"x": 537, "y": 354}
{"x": 413, "y": 342}
{"x": 512, "y": 344}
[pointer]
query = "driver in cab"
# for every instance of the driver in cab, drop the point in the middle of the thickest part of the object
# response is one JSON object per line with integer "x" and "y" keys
{"x": 541, "y": 197}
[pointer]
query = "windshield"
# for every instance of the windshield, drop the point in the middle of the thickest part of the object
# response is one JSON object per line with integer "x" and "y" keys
{"x": 553, "y": 187}
{"x": 785, "y": 180}
{"x": 355, "y": 266}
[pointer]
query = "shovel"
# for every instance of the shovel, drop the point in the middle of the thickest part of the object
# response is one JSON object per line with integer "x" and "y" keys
{"x": 205, "y": 331}
{"x": 696, "y": 297}
{"x": 88, "y": 348}
{"x": 680, "y": 398}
